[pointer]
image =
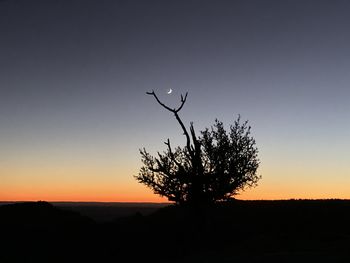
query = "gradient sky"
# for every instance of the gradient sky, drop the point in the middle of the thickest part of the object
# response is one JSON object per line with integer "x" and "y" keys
{"x": 73, "y": 108}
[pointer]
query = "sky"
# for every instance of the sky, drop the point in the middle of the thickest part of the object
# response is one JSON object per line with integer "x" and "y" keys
{"x": 74, "y": 75}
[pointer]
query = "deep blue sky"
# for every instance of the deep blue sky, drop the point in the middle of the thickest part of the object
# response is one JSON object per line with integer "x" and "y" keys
{"x": 73, "y": 109}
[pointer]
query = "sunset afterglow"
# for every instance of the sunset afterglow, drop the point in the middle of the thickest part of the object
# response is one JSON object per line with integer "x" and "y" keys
{"x": 74, "y": 75}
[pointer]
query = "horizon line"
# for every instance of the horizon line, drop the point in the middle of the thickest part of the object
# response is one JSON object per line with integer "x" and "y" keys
{"x": 167, "y": 202}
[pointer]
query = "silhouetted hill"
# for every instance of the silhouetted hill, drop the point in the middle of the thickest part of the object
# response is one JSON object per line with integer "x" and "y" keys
{"x": 108, "y": 211}
{"x": 40, "y": 232}
{"x": 237, "y": 231}
{"x": 39, "y": 214}
{"x": 253, "y": 231}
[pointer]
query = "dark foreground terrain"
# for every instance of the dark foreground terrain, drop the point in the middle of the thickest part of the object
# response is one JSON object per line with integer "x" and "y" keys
{"x": 239, "y": 231}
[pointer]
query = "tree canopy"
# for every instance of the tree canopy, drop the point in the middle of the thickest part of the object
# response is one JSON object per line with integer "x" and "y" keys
{"x": 211, "y": 167}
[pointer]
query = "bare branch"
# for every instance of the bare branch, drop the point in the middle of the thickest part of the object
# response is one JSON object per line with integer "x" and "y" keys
{"x": 188, "y": 140}
{"x": 172, "y": 156}
{"x": 175, "y": 111}
{"x": 183, "y": 100}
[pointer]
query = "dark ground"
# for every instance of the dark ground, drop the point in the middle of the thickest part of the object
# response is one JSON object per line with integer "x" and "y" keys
{"x": 107, "y": 211}
{"x": 239, "y": 231}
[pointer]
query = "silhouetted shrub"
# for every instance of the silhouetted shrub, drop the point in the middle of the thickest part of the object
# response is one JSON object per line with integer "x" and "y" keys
{"x": 211, "y": 167}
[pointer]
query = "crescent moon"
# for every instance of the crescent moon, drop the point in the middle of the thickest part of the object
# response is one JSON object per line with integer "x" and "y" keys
{"x": 170, "y": 91}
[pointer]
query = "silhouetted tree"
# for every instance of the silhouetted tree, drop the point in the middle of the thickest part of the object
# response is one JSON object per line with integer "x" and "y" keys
{"x": 212, "y": 167}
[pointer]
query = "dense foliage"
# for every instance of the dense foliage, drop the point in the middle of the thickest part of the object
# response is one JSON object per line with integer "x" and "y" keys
{"x": 211, "y": 167}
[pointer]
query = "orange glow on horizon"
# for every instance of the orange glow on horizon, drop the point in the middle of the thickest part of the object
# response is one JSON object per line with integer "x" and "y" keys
{"x": 85, "y": 186}
{"x": 82, "y": 198}
{"x": 148, "y": 197}
{"x": 81, "y": 194}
